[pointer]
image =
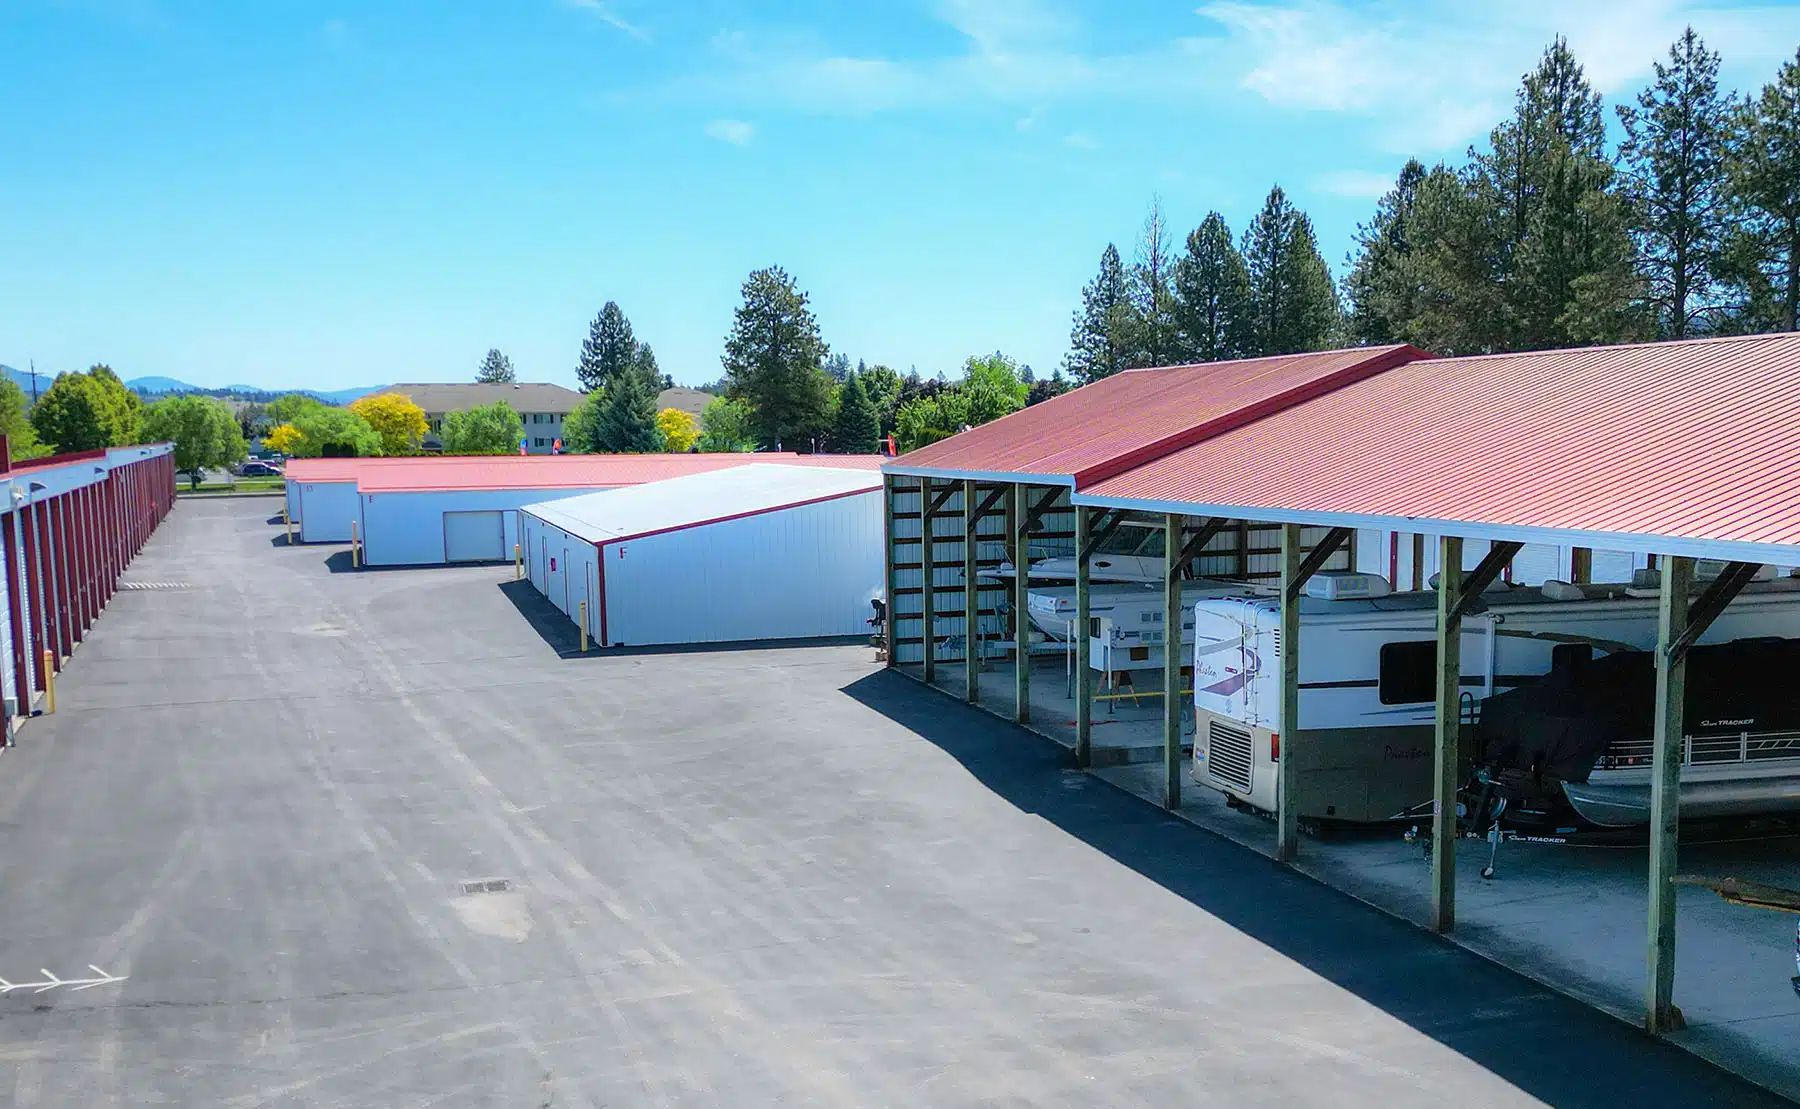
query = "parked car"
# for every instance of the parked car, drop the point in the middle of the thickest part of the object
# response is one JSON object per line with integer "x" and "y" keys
{"x": 258, "y": 469}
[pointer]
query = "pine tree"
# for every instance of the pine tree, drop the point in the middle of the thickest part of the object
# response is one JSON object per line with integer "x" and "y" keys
{"x": 626, "y": 420}
{"x": 1292, "y": 299}
{"x": 609, "y": 349}
{"x": 1153, "y": 331}
{"x": 1675, "y": 180}
{"x": 1765, "y": 178}
{"x": 496, "y": 369}
{"x": 1377, "y": 285}
{"x": 645, "y": 364}
{"x": 1099, "y": 343}
{"x": 1211, "y": 296}
{"x": 1445, "y": 294}
{"x": 857, "y": 425}
{"x": 773, "y": 360}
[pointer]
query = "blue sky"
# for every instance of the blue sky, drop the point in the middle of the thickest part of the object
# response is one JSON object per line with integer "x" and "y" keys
{"x": 291, "y": 192}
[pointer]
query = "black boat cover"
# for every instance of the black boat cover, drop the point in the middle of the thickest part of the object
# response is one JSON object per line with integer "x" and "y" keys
{"x": 1559, "y": 725}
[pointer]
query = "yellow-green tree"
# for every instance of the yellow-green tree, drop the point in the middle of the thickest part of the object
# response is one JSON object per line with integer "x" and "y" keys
{"x": 679, "y": 428}
{"x": 286, "y": 439}
{"x": 394, "y": 416}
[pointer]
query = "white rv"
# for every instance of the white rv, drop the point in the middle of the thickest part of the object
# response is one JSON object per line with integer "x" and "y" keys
{"x": 1368, "y": 678}
{"x": 1133, "y": 552}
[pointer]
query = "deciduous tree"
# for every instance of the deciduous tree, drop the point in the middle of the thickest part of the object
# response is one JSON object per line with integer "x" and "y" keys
{"x": 773, "y": 361}
{"x": 679, "y": 429}
{"x": 21, "y": 438}
{"x": 73, "y": 414}
{"x": 334, "y": 433}
{"x": 485, "y": 429}
{"x": 396, "y": 419}
{"x": 726, "y": 426}
{"x": 204, "y": 431}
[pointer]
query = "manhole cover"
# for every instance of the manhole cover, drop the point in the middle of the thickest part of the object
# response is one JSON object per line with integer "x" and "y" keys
{"x": 487, "y": 885}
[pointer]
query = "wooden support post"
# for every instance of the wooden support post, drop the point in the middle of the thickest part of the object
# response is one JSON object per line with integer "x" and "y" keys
{"x": 1581, "y": 565}
{"x": 928, "y": 598}
{"x": 1660, "y": 1013}
{"x": 1448, "y": 739}
{"x": 1287, "y": 812}
{"x": 1418, "y": 563}
{"x": 1021, "y": 515}
{"x": 1084, "y": 674}
{"x": 971, "y": 598}
{"x": 1172, "y": 562}
{"x": 887, "y": 559}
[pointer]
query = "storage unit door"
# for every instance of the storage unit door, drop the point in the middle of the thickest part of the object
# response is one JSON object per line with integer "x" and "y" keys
{"x": 474, "y": 537}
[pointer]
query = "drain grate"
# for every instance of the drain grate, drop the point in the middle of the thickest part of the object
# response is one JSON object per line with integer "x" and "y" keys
{"x": 153, "y": 585}
{"x": 487, "y": 885}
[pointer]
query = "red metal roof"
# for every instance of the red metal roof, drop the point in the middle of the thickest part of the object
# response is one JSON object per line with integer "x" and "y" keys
{"x": 1696, "y": 441}
{"x": 1111, "y": 425}
{"x": 568, "y": 471}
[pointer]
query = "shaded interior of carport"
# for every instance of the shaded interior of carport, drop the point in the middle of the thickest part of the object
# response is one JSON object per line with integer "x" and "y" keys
{"x": 1686, "y": 450}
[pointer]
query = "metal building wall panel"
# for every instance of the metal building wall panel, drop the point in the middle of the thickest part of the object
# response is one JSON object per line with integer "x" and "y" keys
{"x": 325, "y": 510}
{"x": 802, "y": 572}
{"x": 407, "y": 529}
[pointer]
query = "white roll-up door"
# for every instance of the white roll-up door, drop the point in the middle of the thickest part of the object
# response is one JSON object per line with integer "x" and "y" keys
{"x": 474, "y": 537}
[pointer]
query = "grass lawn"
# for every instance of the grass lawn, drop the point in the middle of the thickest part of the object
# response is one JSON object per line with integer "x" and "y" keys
{"x": 241, "y": 485}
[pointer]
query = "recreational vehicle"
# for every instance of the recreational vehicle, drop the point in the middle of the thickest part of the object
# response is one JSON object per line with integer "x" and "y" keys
{"x": 1133, "y": 552}
{"x": 1368, "y": 678}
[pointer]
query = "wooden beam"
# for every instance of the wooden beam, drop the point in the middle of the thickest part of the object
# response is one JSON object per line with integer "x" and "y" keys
{"x": 1196, "y": 543}
{"x": 1314, "y": 560}
{"x": 928, "y": 568}
{"x": 1021, "y": 601}
{"x": 887, "y": 527}
{"x": 971, "y": 601}
{"x": 1173, "y": 552}
{"x": 1581, "y": 565}
{"x": 1448, "y": 738}
{"x": 1084, "y": 674}
{"x": 1113, "y": 520}
{"x": 1660, "y": 1013}
{"x": 1468, "y": 593}
{"x": 1243, "y": 550}
{"x": 1030, "y": 519}
{"x": 943, "y": 498}
{"x": 1287, "y": 812}
{"x": 1711, "y": 603}
{"x": 987, "y": 506}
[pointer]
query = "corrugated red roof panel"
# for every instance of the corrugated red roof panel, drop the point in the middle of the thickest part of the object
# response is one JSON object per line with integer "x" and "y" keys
{"x": 1696, "y": 440}
{"x": 1106, "y": 427}
{"x": 568, "y": 471}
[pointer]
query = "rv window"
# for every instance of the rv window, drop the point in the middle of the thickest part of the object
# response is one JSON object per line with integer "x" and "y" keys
{"x": 1408, "y": 671}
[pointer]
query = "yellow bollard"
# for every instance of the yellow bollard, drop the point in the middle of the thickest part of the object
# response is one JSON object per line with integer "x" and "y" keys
{"x": 518, "y": 563}
{"x": 49, "y": 681}
{"x": 290, "y": 528}
{"x": 584, "y": 627}
{"x": 355, "y": 548}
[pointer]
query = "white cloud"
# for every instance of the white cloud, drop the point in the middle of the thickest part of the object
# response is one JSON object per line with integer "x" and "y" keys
{"x": 1359, "y": 183}
{"x": 734, "y": 131}
{"x": 1080, "y": 140}
{"x": 1437, "y": 76}
{"x": 605, "y": 13}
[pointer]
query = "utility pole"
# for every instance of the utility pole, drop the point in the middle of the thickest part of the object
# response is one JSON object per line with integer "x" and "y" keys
{"x": 33, "y": 365}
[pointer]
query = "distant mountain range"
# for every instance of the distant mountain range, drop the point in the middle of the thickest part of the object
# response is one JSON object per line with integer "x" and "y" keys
{"x": 22, "y": 378}
{"x": 153, "y": 386}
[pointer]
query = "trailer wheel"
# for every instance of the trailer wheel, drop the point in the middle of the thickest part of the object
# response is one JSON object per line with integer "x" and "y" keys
{"x": 1488, "y": 873}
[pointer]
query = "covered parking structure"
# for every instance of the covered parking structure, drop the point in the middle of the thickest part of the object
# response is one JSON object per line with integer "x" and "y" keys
{"x": 999, "y": 495}
{"x": 1684, "y": 450}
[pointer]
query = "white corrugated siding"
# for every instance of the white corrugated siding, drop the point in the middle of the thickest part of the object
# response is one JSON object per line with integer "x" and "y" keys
{"x": 795, "y": 573}
{"x": 407, "y": 529}
{"x": 325, "y": 510}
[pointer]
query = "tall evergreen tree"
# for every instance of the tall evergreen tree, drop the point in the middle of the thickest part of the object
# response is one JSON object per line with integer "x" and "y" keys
{"x": 1446, "y": 292}
{"x": 1099, "y": 345}
{"x": 1675, "y": 180}
{"x": 857, "y": 425}
{"x": 1211, "y": 296}
{"x": 774, "y": 359}
{"x": 625, "y": 422}
{"x": 1564, "y": 250}
{"x": 1153, "y": 331}
{"x": 1293, "y": 303}
{"x": 1377, "y": 286}
{"x": 496, "y": 369}
{"x": 1765, "y": 176}
{"x": 609, "y": 349}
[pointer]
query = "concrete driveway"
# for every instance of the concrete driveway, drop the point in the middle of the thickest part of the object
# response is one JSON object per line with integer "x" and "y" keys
{"x": 369, "y": 839}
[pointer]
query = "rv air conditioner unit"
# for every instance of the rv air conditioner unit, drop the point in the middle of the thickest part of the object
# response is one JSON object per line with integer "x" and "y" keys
{"x": 1556, "y": 590}
{"x": 1346, "y": 585}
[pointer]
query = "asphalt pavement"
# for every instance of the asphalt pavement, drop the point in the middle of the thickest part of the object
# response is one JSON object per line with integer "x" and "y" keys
{"x": 378, "y": 839}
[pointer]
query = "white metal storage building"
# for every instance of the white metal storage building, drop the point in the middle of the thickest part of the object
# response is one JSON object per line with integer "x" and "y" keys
{"x": 770, "y": 551}
{"x": 321, "y": 497}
